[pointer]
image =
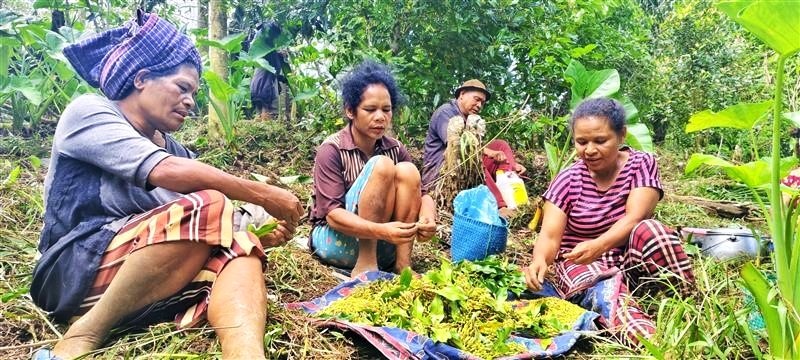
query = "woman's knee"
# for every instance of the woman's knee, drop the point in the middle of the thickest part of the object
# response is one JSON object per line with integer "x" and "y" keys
{"x": 209, "y": 197}
{"x": 383, "y": 170}
{"x": 406, "y": 173}
{"x": 651, "y": 234}
{"x": 649, "y": 228}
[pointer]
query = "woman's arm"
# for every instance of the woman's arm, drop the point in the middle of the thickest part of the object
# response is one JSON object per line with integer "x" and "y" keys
{"x": 639, "y": 206}
{"x": 554, "y": 222}
{"x": 186, "y": 175}
{"x": 426, "y": 225}
{"x": 547, "y": 244}
{"x": 349, "y": 223}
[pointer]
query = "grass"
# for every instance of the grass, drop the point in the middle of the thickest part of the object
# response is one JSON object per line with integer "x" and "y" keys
{"x": 708, "y": 323}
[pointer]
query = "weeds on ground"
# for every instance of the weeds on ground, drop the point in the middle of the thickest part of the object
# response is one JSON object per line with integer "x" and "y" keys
{"x": 710, "y": 322}
{"x": 677, "y": 214}
{"x": 21, "y": 210}
{"x": 706, "y": 324}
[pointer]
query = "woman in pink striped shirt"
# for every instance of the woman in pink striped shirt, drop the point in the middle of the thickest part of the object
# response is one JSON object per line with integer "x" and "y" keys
{"x": 597, "y": 231}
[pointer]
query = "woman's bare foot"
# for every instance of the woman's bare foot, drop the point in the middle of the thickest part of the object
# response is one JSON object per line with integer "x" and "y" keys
{"x": 362, "y": 268}
{"x": 71, "y": 347}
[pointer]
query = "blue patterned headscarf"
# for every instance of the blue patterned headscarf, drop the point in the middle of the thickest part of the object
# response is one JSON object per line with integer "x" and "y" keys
{"x": 111, "y": 59}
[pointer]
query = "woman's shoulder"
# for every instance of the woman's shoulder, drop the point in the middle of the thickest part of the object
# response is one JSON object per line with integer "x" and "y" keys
{"x": 329, "y": 148}
{"x": 333, "y": 140}
{"x": 85, "y": 100}
{"x": 570, "y": 173}
{"x": 639, "y": 154}
{"x": 88, "y": 110}
{"x": 576, "y": 168}
{"x": 390, "y": 142}
{"x": 88, "y": 104}
{"x": 640, "y": 158}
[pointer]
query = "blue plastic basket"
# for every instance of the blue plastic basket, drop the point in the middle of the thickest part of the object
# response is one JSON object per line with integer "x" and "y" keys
{"x": 474, "y": 240}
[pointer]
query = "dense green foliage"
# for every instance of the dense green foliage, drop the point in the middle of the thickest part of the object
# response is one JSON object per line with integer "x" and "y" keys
{"x": 776, "y": 24}
{"x": 673, "y": 58}
{"x": 520, "y": 48}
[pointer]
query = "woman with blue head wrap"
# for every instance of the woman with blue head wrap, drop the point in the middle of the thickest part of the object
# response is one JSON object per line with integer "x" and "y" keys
{"x": 136, "y": 231}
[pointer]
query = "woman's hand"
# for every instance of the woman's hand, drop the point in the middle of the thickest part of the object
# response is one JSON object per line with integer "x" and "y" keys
{"x": 520, "y": 169}
{"x": 279, "y": 236}
{"x": 397, "y": 232}
{"x": 535, "y": 273}
{"x": 586, "y": 252}
{"x": 426, "y": 228}
{"x": 496, "y": 155}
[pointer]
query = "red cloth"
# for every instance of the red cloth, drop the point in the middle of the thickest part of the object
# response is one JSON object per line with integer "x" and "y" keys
{"x": 793, "y": 179}
{"x": 490, "y": 168}
{"x": 652, "y": 249}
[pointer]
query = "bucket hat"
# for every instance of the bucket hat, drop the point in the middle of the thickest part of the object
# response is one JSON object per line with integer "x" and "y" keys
{"x": 473, "y": 84}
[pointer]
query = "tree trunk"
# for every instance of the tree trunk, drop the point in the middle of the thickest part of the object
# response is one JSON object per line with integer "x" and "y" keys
{"x": 218, "y": 59}
{"x": 202, "y": 22}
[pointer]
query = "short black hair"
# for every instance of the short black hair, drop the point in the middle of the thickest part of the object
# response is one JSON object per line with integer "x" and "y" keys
{"x": 365, "y": 74}
{"x": 601, "y": 107}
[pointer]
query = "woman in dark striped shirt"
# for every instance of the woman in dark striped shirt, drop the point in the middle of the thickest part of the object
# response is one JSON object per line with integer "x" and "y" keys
{"x": 597, "y": 230}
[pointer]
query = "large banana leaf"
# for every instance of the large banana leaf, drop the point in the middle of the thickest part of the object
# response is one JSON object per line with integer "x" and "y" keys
{"x": 218, "y": 86}
{"x": 739, "y": 116}
{"x": 7, "y": 44}
{"x": 24, "y": 86}
{"x": 231, "y": 43}
{"x": 638, "y": 137}
{"x": 704, "y": 159}
{"x": 588, "y": 84}
{"x": 776, "y": 23}
{"x": 755, "y": 174}
{"x": 631, "y": 112}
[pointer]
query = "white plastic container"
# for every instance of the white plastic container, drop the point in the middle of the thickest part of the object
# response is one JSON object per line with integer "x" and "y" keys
{"x": 504, "y": 184}
{"x": 518, "y": 189}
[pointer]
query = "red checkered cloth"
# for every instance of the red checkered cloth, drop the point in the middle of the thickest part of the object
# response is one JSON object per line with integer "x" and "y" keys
{"x": 793, "y": 179}
{"x": 604, "y": 285}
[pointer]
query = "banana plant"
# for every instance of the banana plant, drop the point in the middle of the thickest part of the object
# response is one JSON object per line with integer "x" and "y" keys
{"x": 777, "y": 24}
{"x": 225, "y": 103}
{"x": 35, "y": 77}
{"x": 589, "y": 84}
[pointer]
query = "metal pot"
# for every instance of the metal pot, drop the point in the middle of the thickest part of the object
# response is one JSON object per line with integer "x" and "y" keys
{"x": 725, "y": 243}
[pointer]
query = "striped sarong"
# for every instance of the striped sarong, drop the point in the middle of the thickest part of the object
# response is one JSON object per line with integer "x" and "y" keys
{"x": 205, "y": 217}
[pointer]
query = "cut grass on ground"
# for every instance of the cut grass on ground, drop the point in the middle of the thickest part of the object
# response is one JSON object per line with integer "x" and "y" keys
{"x": 708, "y": 323}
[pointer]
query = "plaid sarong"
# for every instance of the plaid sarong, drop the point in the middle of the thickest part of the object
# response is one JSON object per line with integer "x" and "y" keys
{"x": 204, "y": 216}
{"x": 110, "y": 60}
{"x": 652, "y": 250}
